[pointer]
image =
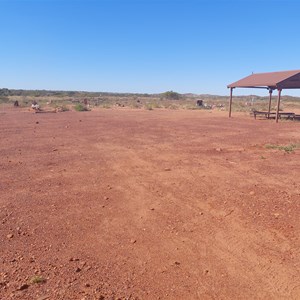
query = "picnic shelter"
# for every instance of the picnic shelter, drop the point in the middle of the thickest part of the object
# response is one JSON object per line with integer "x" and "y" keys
{"x": 270, "y": 81}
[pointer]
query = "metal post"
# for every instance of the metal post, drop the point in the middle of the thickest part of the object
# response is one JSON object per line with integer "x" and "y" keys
{"x": 278, "y": 105}
{"x": 230, "y": 102}
{"x": 270, "y": 100}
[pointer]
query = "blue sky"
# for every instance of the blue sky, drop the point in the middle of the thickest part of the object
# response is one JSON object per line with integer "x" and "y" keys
{"x": 145, "y": 46}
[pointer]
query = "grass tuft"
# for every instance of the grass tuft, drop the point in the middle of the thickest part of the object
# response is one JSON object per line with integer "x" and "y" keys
{"x": 37, "y": 279}
{"x": 286, "y": 148}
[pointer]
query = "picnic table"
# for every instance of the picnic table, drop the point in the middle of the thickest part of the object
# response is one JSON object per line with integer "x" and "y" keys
{"x": 288, "y": 115}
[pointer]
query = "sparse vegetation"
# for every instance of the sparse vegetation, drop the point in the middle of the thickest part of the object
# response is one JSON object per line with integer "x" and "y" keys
{"x": 148, "y": 106}
{"x": 171, "y": 106}
{"x": 171, "y": 95}
{"x": 169, "y": 100}
{"x": 61, "y": 108}
{"x": 37, "y": 279}
{"x": 4, "y": 99}
{"x": 286, "y": 148}
{"x": 80, "y": 107}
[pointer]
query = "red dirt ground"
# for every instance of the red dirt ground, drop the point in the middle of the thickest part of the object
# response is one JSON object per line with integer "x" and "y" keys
{"x": 137, "y": 204}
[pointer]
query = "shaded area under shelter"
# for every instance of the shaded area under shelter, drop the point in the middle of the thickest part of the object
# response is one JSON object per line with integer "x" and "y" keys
{"x": 270, "y": 81}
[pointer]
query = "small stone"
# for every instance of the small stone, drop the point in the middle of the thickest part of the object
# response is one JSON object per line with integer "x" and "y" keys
{"x": 23, "y": 287}
{"x": 206, "y": 272}
{"x": 106, "y": 198}
{"x": 9, "y": 236}
{"x": 218, "y": 149}
{"x": 43, "y": 298}
{"x": 252, "y": 193}
{"x": 37, "y": 122}
{"x": 133, "y": 241}
{"x": 82, "y": 264}
{"x": 54, "y": 149}
{"x": 167, "y": 169}
{"x": 177, "y": 263}
{"x": 77, "y": 270}
{"x": 87, "y": 285}
{"x": 73, "y": 259}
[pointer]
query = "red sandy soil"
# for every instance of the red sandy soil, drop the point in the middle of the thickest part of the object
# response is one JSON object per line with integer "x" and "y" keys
{"x": 136, "y": 204}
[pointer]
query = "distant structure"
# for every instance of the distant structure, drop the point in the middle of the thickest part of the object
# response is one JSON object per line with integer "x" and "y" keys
{"x": 199, "y": 102}
{"x": 35, "y": 105}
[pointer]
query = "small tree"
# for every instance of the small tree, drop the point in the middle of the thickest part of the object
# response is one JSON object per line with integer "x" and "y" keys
{"x": 171, "y": 95}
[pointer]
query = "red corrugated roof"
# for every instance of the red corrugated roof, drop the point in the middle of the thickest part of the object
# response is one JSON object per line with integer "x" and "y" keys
{"x": 275, "y": 80}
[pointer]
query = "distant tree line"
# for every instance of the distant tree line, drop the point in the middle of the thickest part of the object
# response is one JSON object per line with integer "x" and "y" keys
{"x": 42, "y": 93}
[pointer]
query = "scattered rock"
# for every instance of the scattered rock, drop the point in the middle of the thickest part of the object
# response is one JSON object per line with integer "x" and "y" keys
{"x": 23, "y": 287}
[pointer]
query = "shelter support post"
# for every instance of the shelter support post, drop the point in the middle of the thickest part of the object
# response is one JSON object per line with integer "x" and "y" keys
{"x": 230, "y": 102}
{"x": 278, "y": 105}
{"x": 270, "y": 101}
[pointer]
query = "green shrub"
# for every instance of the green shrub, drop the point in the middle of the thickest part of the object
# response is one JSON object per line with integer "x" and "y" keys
{"x": 171, "y": 95}
{"x": 80, "y": 107}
